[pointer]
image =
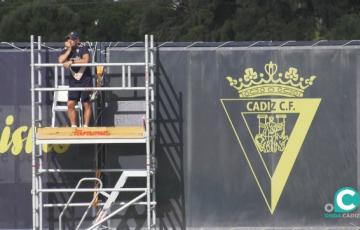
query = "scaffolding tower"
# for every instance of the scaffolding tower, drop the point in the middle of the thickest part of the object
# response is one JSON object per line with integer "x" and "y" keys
{"x": 42, "y": 134}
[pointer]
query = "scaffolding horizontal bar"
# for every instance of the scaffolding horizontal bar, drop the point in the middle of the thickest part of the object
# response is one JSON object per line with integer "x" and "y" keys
{"x": 90, "y": 64}
{"x": 54, "y": 190}
{"x": 85, "y": 170}
{"x": 91, "y": 88}
{"x": 87, "y": 204}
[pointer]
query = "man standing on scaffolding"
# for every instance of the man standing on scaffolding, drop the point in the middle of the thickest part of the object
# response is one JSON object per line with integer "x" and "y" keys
{"x": 76, "y": 53}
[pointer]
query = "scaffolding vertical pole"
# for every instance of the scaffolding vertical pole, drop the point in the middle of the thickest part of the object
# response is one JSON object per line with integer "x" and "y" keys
{"x": 94, "y": 80}
{"x": 39, "y": 101}
{"x": 39, "y": 83}
{"x": 123, "y": 76}
{"x": 129, "y": 76}
{"x": 33, "y": 164}
{"x": 147, "y": 126}
{"x": 153, "y": 116}
{"x": 62, "y": 75}
{"x": 56, "y": 76}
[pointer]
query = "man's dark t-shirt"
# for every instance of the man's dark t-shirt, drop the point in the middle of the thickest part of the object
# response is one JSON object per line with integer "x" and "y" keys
{"x": 75, "y": 54}
{"x": 85, "y": 80}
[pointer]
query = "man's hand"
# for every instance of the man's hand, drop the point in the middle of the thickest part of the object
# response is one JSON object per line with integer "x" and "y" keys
{"x": 67, "y": 44}
{"x": 67, "y": 64}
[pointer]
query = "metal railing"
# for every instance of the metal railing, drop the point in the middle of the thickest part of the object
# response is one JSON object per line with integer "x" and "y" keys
{"x": 96, "y": 193}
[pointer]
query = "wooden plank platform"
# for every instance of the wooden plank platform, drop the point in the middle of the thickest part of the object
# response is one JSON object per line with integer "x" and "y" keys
{"x": 130, "y": 134}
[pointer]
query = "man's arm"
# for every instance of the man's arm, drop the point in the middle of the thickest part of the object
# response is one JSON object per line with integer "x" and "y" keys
{"x": 64, "y": 56}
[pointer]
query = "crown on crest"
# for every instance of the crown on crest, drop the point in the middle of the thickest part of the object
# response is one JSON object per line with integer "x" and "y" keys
{"x": 253, "y": 84}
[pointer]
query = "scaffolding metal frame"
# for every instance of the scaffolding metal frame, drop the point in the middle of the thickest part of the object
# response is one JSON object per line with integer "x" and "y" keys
{"x": 38, "y": 170}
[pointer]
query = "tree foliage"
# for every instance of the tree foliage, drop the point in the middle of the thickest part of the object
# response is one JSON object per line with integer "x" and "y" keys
{"x": 180, "y": 20}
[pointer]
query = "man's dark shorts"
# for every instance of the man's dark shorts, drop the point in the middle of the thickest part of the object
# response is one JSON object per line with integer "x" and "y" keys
{"x": 85, "y": 81}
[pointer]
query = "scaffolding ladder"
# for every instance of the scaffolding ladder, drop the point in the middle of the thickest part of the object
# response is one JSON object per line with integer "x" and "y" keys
{"x": 43, "y": 134}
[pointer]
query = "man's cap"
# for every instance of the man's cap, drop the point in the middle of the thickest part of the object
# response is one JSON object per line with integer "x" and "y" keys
{"x": 72, "y": 35}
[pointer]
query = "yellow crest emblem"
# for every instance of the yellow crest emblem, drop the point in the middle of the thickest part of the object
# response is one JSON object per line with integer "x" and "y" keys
{"x": 270, "y": 121}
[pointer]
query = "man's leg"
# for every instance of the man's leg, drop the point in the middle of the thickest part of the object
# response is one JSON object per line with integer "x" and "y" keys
{"x": 87, "y": 112}
{"x": 71, "y": 112}
{"x": 85, "y": 98}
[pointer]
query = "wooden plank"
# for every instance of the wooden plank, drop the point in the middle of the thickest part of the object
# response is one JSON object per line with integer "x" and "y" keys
{"x": 129, "y": 132}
